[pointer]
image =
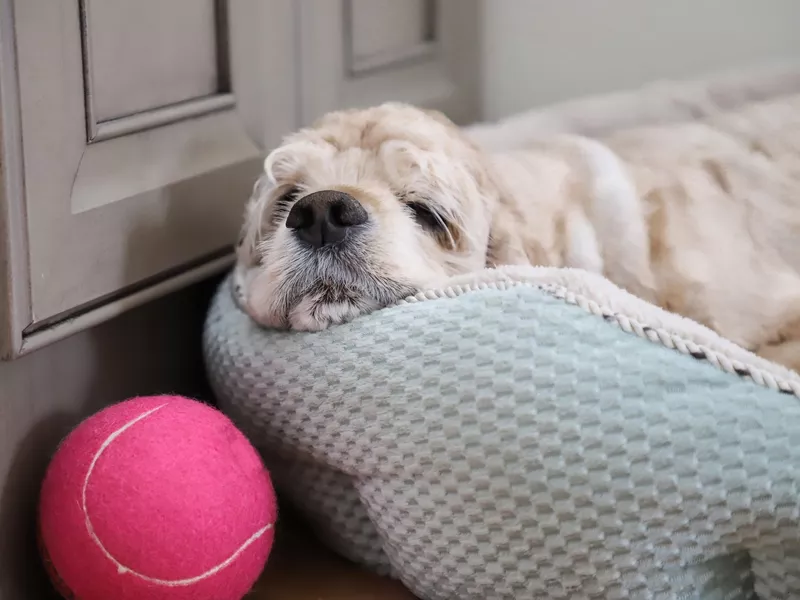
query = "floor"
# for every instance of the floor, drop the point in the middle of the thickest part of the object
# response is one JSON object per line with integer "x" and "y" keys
{"x": 300, "y": 568}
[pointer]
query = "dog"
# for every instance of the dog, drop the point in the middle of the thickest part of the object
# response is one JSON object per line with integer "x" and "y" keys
{"x": 369, "y": 206}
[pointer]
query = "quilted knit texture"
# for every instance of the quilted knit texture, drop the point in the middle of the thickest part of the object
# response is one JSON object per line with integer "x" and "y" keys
{"x": 505, "y": 444}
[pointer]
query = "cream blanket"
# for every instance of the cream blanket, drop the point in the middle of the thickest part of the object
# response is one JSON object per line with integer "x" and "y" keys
{"x": 685, "y": 194}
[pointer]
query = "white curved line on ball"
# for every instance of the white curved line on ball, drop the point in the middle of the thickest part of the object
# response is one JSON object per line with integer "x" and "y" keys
{"x": 122, "y": 568}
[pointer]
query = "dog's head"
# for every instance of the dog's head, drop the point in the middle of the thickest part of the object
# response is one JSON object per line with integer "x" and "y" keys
{"x": 358, "y": 211}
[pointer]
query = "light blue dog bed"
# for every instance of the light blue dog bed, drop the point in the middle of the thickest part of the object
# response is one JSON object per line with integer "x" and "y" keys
{"x": 528, "y": 434}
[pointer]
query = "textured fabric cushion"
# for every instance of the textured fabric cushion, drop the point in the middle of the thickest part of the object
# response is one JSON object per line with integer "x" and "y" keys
{"x": 528, "y": 433}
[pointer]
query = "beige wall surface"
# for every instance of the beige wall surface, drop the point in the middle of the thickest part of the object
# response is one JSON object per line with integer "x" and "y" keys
{"x": 540, "y": 51}
{"x": 153, "y": 349}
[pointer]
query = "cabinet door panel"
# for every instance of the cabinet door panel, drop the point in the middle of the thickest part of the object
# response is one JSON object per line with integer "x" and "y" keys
{"x": 379, "y": 30}
{"x": 365, "y": 52}
{"x": 137, "y": 163}
{"x": 149, "y": 53}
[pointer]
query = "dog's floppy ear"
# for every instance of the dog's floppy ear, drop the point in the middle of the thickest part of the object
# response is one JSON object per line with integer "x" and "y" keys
{"x": 506, "y": 246}
{"x": 253, "y": 216}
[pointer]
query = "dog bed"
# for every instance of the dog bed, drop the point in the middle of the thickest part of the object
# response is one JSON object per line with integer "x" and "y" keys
{"x": 524, "y": 433}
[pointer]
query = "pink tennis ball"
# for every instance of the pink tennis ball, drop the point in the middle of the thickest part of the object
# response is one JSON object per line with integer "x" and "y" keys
{"x": 157, "y": 498}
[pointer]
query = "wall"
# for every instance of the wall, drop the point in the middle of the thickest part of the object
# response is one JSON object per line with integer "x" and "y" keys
{"x": 153, "y": 349}
{"x": 541, "y": 51}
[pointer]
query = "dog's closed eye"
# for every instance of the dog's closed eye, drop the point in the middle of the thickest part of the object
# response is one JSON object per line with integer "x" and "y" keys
{"x": 427, "y": 217}
{"x": 433, "y": 222}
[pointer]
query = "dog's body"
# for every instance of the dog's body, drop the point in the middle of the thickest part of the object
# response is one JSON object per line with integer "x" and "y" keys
{"x": 700, "y": 218}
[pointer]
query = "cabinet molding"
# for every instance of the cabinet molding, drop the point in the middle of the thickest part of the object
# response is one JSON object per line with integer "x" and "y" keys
{"x": 14, "y": 274}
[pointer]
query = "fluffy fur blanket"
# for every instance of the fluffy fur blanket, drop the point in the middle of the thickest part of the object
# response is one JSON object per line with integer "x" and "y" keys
{"x": 682, "y": 193}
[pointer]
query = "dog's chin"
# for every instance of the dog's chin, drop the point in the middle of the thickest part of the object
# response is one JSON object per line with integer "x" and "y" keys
{"x": 315, "y": 314}
{"x": 330, "y": 303}
{"x": 313, "y": 303}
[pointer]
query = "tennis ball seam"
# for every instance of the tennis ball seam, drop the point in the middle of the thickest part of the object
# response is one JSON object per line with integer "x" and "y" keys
{"x": 123, "y": 569}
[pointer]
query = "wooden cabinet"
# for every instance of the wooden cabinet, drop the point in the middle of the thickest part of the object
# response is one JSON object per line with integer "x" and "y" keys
{"x": 133, "y": 130}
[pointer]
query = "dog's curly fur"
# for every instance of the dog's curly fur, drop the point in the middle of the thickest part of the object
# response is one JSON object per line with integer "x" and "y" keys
{"x": 701, "y": 218}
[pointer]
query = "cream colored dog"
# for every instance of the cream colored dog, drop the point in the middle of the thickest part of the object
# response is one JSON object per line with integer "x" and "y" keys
{"x": 369, "y": 206}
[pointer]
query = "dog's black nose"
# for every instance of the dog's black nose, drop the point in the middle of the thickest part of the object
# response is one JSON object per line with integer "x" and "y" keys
{"x": 323, "y": 218}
